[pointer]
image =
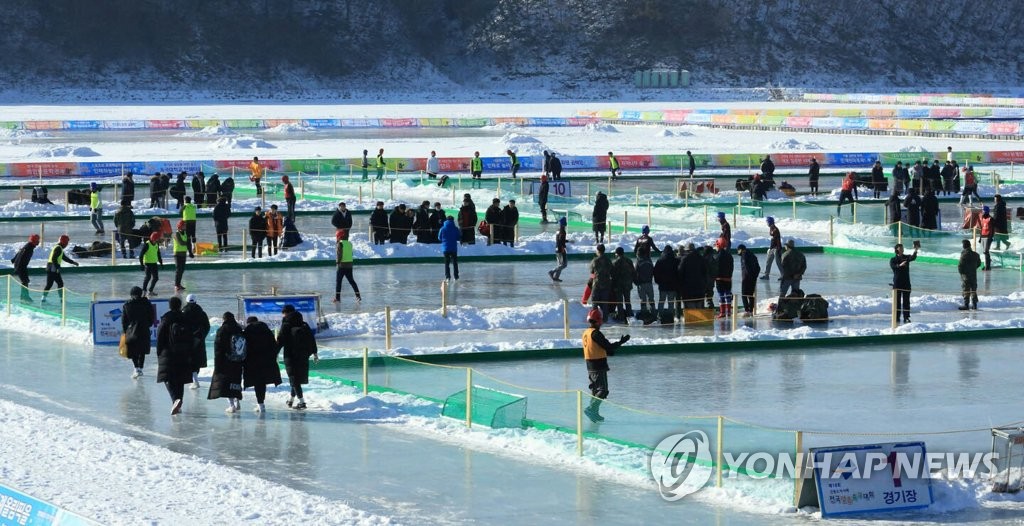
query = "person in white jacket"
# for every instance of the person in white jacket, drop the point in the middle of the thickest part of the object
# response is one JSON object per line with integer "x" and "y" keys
{"x": 433, "y": 165}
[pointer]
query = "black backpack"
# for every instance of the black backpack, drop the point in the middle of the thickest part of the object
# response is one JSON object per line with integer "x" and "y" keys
{"x": 180, "y": 338}
{"x": 814, "y": 308}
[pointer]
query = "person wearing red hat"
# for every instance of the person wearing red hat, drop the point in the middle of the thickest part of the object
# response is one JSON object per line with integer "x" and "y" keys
{"x": 182, "y": 248}
{"x": 343, "y": 258}
{"x": 149, "y": 258}
{"x": 596, "y": 350}
{"x": 21, "y": 260}
{"x": 57, "y": 255}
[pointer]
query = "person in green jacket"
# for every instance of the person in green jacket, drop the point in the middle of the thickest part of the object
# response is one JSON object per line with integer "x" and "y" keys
{"x": 149, "y": 258}
{"x": 188, "y": 214}
{"x": 613, "y": 165}
{"x": 343, "y": 259}
{"x": 476, "y": 166}
{"x": 514, "y": 160}
{"x": 57, "y": 255}
{"x": 96, "y": 208}
{"x": 182, "y": 248}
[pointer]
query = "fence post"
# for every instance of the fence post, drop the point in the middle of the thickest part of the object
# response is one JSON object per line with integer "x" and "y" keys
{"x": 366, "y": 371}
{"x": 625, "y": 221}
{"x": 855, "y": 212}
{"x": 705, "y": 217}
{"x": 444, "y": 299}
{"x": 387, "y": 328}
{"x": 588, "y": 192}
{"x": 579, "y": 422}
{"x": 648, "y": 211}
{"x": 899, "y": 231}
{"x": 490, "y": 234}
{"x": 21, "y": 193}
{"x": 392, "y": 184}
{"x": 636, "y": 201}
{"x": 9, "y": 278}
{"x": 373, "y": 190}
{"x": 469, "y": 397}
{"x": 735, "y": 309}
{"x": 302, "y": 187}
{"x": 113, "y": 246}
{"x": 894, "y": 320}
{"x": 244, "y": 251}
{"x": 798, "y": 479}
{"x": 718, "y": 454}
{"x": 515, "y": 233}
{"x": 608, "y": 224}
{"x": 497, "y": 191}
{"x": 63, "y": 306}
{"x": 794, "y": 208}
{"x": 565, "y": 317}
{"x": 273, "y": 290}
{"x": 42, "y": 233}
{"x": 831, "y": 237}
{"x": 360, "y": 194}
{"x": 453, "y": 197}
{"x": 974, "y": 237}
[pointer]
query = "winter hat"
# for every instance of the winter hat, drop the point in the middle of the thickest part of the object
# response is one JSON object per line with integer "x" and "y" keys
{"x": 967, "y": 243}
{"x": 741, "y": 247}
{"x": 93, "y": 186}
{"x": 341, "y": 234}
{"x": 770, "y": 220}
{"x": 790, "y": 243}
{"x": 645, "y": 230}
{"x": 191, "y": 298}
{"x": 136, "y": 292}
{"x": 284, "y": 178}
{"x": 984, "y": 209}
{"x": 721, "y": 215}
{"x": 562, "y": 221}
{"x": 543, "y": 178}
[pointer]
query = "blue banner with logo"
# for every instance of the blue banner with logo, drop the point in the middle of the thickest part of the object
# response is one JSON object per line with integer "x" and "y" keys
{"x": 23, "y": 510}
{"x": 268, "y": 309}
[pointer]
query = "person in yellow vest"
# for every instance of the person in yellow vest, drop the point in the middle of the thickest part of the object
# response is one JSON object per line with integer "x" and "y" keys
{"x": 95, "y": 208}
{"x": 53, "y": 266}
{"x": 596, "y": 350}
{"x": 476, "y": 166}
{"x": 149, "y": 258}
{"x": 182, "y": 248}
{"x": 343, "y": 258}
{"x": 275, "y": 229}
{"x": 380, "y": 164}
{"x": 613, "y": 165}
{"x": 257, "y": 174}
{"x": 188, "y": 215}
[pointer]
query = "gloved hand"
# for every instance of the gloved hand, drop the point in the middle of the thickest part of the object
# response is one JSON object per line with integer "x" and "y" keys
{"x": 624, "y": 338}
{"x": 76, "y": 263}
{"x": 316, "y": 358}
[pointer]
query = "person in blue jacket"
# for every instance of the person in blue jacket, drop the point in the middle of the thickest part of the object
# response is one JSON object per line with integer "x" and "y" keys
{"x": 449, "y": 237}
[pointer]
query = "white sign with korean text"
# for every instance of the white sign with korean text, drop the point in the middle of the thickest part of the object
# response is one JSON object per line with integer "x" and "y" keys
{"x": 871, "y": 478}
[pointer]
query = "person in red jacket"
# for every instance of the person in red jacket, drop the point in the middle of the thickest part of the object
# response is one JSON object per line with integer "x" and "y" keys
{"x": 988, "y": 234}
{"x": 848, "y": 192}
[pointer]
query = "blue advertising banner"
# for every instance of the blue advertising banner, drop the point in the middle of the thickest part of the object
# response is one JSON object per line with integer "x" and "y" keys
{"x": 83, "y": 125}
{"x": 322, "y": 123}
{"x": 108, "y": 169}
{"x": 105, "y": 320}
{"x": 23, "y": 510}
{"x": 268, "y": 309}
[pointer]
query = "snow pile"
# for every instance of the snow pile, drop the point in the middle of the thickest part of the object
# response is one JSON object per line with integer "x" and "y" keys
{"x": 793, "y": 144}
{"x": 7, "y": 133}
{"x": 63, "y": 151}
{"x": 523, "y": 144}
{"x": 242, "y": 142}
{"x": 291, "y": 127}
{"x": 209, "y": 131}
{"x": 665, "y": 132}
{"x": 183, "y": 488}
{"x": 915, "y": 149}
{"x": 599, "y": 127}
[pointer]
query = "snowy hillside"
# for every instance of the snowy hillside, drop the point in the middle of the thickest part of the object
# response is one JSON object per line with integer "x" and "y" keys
{"x": 461, "y": 50}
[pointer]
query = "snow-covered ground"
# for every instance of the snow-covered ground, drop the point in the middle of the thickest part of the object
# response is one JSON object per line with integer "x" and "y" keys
{"x": 217, "y": 492}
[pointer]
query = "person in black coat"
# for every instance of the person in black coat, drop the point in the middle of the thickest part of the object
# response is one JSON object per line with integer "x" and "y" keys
{"x": 342, "y": 218}
{"x": 221, "y": 214}
{"x": 948, "y": 173}
{"x": 260, "y": 367}
{"x": 509, "y": 220}
{"x": 877, "y": 179}
{"x": 154, "y": 190}
{"x": 379, "y": 224}
{"x": 556, "y": 167}
{"x": 127, "y": 187}
{"x": 599, "y": 217}
{"x": 174, "y": 368}
{"x": 467, "y": 221}
{"x": 165, "y": 185}
{"x": 493, "y": 218}
{"x": 999, "y": 224}
{"x": 227, "y": 370}
{"x": 296, "y": 338}
{"x": 900, "y": 265}
{"x": 178, "y": 190}
{"x": 542, "y": 198}
{"x": 137, "y": 319}
{"x": 199, "y": 189}
{"x": 667, "y": 280}
{"x": 21, "y": 261}
{"x": 212, "y": 189}
{"x": 749, "y": 269}
{"x": 257, "y": 231}
{"x": 723, "y": 280}
{"x": 930, "y": 211}
{"x": 227, "y": 189}
{"x": 768, "y": 169}
{"x": 421, "y": 224}
{"x": 893, "y": 209}
{"x": 913, "y": 204}
{"x": 200, "y": 324}
{"x": 437, "y": 218}
{"x": 692, "y": 278}
{"x": 397, "y": 225}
